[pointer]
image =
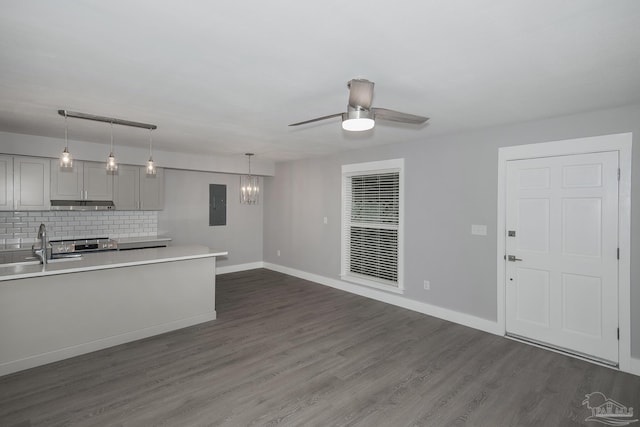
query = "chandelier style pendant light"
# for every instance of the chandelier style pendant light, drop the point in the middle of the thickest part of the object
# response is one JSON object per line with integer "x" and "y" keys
{"x": 66, "y": 160}
{"x": 112, "y": 165}
{"x": 249, "y": 186}
{"x": 151, "y": 167}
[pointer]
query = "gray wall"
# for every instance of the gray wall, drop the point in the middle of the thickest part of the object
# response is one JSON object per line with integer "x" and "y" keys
{"x": 185, "y": 217}
{"x": 451, "y": 183}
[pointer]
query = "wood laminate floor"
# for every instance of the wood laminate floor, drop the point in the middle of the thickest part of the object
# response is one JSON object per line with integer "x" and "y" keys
{"x": 285, "y": 351}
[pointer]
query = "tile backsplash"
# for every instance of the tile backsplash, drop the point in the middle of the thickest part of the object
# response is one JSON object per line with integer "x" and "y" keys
{"x": 22, "y": 227}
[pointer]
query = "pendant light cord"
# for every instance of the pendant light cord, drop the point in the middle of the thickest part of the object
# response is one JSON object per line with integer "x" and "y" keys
{"x": 66, "y": 132}
{"x": 150, "y": 143}
{"x": 111, "y": 137}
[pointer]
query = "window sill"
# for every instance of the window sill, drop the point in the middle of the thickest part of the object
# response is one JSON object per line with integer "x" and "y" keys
{"x": 372, "y": 284}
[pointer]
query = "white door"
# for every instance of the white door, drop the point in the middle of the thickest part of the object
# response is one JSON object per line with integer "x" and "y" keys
{"x": 562, "y": 237}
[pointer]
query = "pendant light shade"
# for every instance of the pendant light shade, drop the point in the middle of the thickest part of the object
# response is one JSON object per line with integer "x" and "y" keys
{"x": 151, "y": 167}
{"x": 249, "y": 186}
{"x": 112, "y": 165}
{"x": 66, "y": 160}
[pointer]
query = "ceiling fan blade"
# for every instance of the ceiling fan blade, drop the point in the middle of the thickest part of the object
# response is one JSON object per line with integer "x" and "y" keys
{"x": 397, "y": 116}
{"x": 317, "y": 119}
{"x": 360, "y": 93}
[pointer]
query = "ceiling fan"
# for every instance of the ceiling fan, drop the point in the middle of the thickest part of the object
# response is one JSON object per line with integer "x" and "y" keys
{"x": 360, "y": 115}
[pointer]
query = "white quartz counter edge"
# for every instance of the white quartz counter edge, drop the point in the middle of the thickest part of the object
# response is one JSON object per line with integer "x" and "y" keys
{"x": 111, "y": 259}
{"x": 125, "y": 240}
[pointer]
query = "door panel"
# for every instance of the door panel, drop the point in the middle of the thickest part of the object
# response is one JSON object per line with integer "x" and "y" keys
{"x": 564, "y": 291}
{"x": 586, "y": 317}
{"x": 533, "y": 296}
{"x": 533, "y": 225}
{"x": 581, "y": 227}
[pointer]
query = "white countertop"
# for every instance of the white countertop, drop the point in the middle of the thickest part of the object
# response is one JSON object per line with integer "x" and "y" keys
{"x": 110, "y": 259}
{"x": 126, "y": 240}
{"x": 26, "y": 246}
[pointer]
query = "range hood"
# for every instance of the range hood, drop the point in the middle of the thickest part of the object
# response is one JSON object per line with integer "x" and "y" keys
{"x": 82, "y": 205}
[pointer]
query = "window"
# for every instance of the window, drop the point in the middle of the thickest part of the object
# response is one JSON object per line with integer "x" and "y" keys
{"x": 372, "y": 224}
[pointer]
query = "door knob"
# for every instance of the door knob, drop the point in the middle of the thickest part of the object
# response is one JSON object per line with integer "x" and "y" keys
{"x": 513, "y": 258}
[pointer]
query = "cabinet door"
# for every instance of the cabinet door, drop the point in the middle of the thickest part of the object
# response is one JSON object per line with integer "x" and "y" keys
{"x": 152, "y": 190}
{"x": 67, "y": 184}
{"x": 98, "y": 184}
{"x": 31, "y": 178}
{"x": 126, "y": 188}
{"x": 6, "y": 183}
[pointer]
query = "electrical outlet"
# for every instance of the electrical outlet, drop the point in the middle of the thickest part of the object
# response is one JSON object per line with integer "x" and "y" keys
{"x": 326, "y": 220}
{"x": 427, "y": 285}
{"x": 278, "y": 252}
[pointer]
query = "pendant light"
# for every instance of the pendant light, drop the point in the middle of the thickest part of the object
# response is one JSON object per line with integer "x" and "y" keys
{"x": 249, "y": 186}
{"x": 151, "y": 167}
{"x": 112, "y": 165}
{"x": 66, "y": 160}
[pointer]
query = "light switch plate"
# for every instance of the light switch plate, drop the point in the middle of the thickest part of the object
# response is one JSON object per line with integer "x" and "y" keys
{"x": 478, "y": 230}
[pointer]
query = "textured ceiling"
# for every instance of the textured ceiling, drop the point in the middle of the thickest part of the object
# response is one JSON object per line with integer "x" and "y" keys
{"x": 226, "y": 77}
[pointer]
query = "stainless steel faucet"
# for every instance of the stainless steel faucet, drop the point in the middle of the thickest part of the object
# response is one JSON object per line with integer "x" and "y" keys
{"x": 42, "y": 252}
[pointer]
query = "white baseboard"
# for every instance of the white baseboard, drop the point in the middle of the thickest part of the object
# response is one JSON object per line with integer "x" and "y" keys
{"x": 239, "y": 267}
{"x": 88, "y": 347}
{"x": 398, "y": 300}
{"x": 634, "y": 368}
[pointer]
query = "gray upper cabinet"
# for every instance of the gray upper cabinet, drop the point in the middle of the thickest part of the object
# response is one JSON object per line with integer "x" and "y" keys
{"x": 98, "y": 184}
{"x": 6, "y": 183}
{"x": 86, "y": 181}
{"x": 134, "y": 190}
{"x": 31, "y": 177}
{"x": 67, "y": 184}
{"x": 126, "y": 188}
{"x": 152, "y": 190}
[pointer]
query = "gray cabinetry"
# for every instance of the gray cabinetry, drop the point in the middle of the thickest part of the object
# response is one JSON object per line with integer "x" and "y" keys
{"x": 134, "y": 190}
{"x": 31, "y": 177}
{"x": 152, "y": 190}
{"x": 86, "y": 181}
{"x": 126, "y": 188}
{"x": 98, "y": 183}
{"x": 6, "y": 183}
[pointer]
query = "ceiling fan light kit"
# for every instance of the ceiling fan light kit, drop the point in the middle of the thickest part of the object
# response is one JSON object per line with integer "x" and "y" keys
{"x": 358, "y": 120}
{"x": 360, "y": 116}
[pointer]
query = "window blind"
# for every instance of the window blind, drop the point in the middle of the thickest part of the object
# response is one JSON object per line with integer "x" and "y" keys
{"x": 371, "y": 226}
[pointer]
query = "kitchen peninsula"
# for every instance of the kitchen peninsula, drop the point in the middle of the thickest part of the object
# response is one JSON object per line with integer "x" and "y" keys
{"x": 104, "y": 299}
